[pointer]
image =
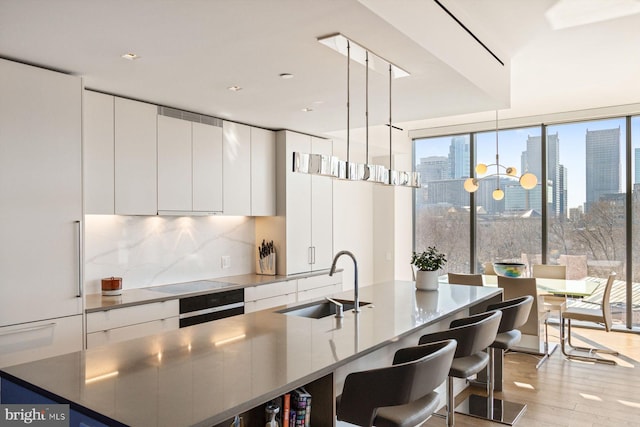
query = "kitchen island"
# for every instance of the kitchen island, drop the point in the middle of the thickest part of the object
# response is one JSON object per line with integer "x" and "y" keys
{"x": 205, "y": 374}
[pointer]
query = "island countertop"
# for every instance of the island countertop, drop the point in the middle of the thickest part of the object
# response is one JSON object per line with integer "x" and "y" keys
{"x": 204, "y": 374}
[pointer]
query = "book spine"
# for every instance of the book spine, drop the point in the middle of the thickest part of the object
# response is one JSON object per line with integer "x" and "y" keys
{"x": 286, "y": 406}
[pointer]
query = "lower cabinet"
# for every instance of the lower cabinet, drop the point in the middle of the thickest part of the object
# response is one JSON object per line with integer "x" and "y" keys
{"x": 120, "y": 324}
{"x": 261, "y": 297}
{"x": 37, "y": 340}
{"x": 319, "y": 286}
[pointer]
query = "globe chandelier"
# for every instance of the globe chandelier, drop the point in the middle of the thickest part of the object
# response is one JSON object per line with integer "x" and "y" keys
{"x": 528, "y": 180}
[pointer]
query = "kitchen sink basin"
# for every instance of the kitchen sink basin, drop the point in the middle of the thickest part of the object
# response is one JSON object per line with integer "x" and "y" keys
{"x": 319, "y": 309}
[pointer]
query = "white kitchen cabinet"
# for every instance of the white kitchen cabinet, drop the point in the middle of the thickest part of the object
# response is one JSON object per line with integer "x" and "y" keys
{"x": 263, "y": 172}
{"x": 37, "y": 340}
{"x": 98, "y": 153}
{"x": 236, "y": 168}
{"x": 40, "y": 194}
{"x": 270, "y": 295}
{"x": 119, "y": 324}
{"x": 207, "y": 167}
{"x": 303, "y": 228}
{"x": 135, "y": 176}
{"x": 189, "y": 166}
{"x": 319, "y": 286}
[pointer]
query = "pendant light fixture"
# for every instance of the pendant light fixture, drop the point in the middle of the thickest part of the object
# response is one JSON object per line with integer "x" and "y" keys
{"x": 318, "y": 164}
{"x": 528, "y": 180}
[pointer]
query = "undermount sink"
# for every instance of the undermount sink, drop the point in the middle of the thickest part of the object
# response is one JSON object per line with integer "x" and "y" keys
{"x": 319, "y": 309}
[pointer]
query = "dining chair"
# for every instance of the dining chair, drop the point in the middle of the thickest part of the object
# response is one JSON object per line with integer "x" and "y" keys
{"x": 601, "y": 314}
{"x": 551, "y": 302}
{"x": 514, "y": 287}
{"x": 488, "y": 269}
{"x": 465, "y": 279}
{"x": 474, "y": 334}
{"x": 401, "y": 395}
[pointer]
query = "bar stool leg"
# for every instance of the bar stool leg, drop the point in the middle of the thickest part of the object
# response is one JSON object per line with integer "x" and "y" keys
{"x": 450, "y": 402}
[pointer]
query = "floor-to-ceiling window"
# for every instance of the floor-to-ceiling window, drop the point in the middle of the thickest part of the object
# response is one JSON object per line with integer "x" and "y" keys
{"x": 441, "y": 204}
{"x": 510, "y": 228}
{"x": 585, "y": 214}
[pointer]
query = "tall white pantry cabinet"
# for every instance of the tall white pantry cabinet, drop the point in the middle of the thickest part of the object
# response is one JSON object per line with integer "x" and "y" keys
{"x": 40, "y": 213}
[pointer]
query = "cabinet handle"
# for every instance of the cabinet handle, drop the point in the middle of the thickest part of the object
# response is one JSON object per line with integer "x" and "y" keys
{"x": 313, "y": 251}
{"x": 79, "y": 225}
{"x": 28, "y": 329}
{"x": 310, "y": 254}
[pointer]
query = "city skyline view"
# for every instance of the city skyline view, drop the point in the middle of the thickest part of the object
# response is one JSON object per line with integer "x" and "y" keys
{"x": 571, "y": 146}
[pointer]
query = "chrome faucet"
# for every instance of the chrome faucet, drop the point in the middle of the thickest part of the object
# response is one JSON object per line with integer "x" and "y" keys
{"x": 339, "y": 307}
{"x": 356, "y": 301}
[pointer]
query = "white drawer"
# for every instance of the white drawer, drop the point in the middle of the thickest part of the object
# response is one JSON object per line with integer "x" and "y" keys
{"x": 265, "y": 303}
{"x": 319, "y": 292}
{"x": 318, "y": 281}
{"x": 37, "y": 340}
{"x": 118, "y": 317}
{"x": 254, "y": 293}
{"x": 139, "y": 330}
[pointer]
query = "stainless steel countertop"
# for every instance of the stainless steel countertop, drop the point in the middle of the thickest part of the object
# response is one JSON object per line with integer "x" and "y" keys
{"x": 138, "y": 296}
{"x": 204, "y": 374}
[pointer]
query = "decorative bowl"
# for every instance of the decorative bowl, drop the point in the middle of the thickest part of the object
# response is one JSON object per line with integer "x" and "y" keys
{"x": 509, "y": 269}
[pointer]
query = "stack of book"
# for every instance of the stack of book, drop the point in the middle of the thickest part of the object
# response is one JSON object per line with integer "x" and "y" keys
{"x": 297, "y": 409}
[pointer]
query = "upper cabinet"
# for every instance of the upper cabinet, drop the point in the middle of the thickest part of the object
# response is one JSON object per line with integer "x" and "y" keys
{"x": 120, "y": 156}
{"x": 135, "y": 158}
{"x": 263, "y": 172}
{"x": 249, "y": 170}
{"x": 189, "y": 166}
{"x": 237, "y": 168}
{"x": 141, "y": 159}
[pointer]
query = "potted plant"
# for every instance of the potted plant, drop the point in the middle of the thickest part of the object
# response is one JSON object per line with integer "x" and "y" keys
{"x": 428, "y": 263}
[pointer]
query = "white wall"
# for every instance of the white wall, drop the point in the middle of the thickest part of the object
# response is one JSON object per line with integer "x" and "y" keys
{"x": 157, "y": 250}
{"x": 375, "y": 221}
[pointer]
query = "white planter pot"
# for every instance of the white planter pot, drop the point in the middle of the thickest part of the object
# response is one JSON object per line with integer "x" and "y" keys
{"x": 427, "y": 280}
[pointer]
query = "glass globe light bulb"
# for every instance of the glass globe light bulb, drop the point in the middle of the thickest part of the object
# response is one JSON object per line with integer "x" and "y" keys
{"x": 511, "y": 171}
{"x": 498, "y": 194}
{"x": 528, "y": 181}
{"x": 471, "y": 184}
{"x": 481, "y": 168}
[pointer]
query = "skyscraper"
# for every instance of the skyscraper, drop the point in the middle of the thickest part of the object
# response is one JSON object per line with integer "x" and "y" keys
{"x": 603, "y": 163}
{"x": 636, "y": 155}
{"x": 433, "y": 168}
{"x": 531, "y": 161}
{"x": 459, "y": 157}
{"x": 562, "y": 191}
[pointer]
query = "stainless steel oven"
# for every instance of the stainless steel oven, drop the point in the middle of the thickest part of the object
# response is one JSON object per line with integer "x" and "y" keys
{"x": 213, "y": 306}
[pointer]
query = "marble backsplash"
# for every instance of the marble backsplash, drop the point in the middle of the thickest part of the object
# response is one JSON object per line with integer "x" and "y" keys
{"x": 156, "y": 250}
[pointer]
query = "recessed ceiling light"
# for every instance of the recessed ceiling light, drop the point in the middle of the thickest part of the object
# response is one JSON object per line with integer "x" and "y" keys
{"x": 286, "y": 76}
{"x": 130, "y": 56}
{"x": 318, "y": 102}
{"x": 234, "y": 88}
{"x": 307, "y": 110}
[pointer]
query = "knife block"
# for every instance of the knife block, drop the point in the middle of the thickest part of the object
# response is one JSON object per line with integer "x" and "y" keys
{"x": 267, "y": 265}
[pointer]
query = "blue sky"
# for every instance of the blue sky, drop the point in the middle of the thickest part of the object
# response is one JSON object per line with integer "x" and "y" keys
{"x": 572, "y": 149}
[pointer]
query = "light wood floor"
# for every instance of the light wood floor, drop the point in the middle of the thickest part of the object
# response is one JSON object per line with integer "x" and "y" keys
{"x": 571, "y": 393}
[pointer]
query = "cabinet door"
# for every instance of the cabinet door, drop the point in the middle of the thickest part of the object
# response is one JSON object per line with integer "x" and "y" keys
{"x": 135, "y": 158}
{"x": 174, "y": 164}
{"x": 236, "y": 169}
{"x": 321, "y": 212}
{"x": 40, "y": 193}
{"x": 263, "y": 172}
{"x": 298, "y": 209}
{"x": 37, "y": 340}
{"x": 207, "y": 167}
{"x": 98, "y": 153}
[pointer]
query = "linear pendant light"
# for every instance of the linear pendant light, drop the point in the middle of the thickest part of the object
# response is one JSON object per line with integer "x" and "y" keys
{"x": 320, "y": 164}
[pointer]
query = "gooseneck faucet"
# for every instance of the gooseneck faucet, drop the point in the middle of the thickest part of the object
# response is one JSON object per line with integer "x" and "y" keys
{"x": 356, "y": 301}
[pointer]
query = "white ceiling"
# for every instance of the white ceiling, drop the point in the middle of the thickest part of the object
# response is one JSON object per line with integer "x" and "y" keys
{"x": 192, "y": 50}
